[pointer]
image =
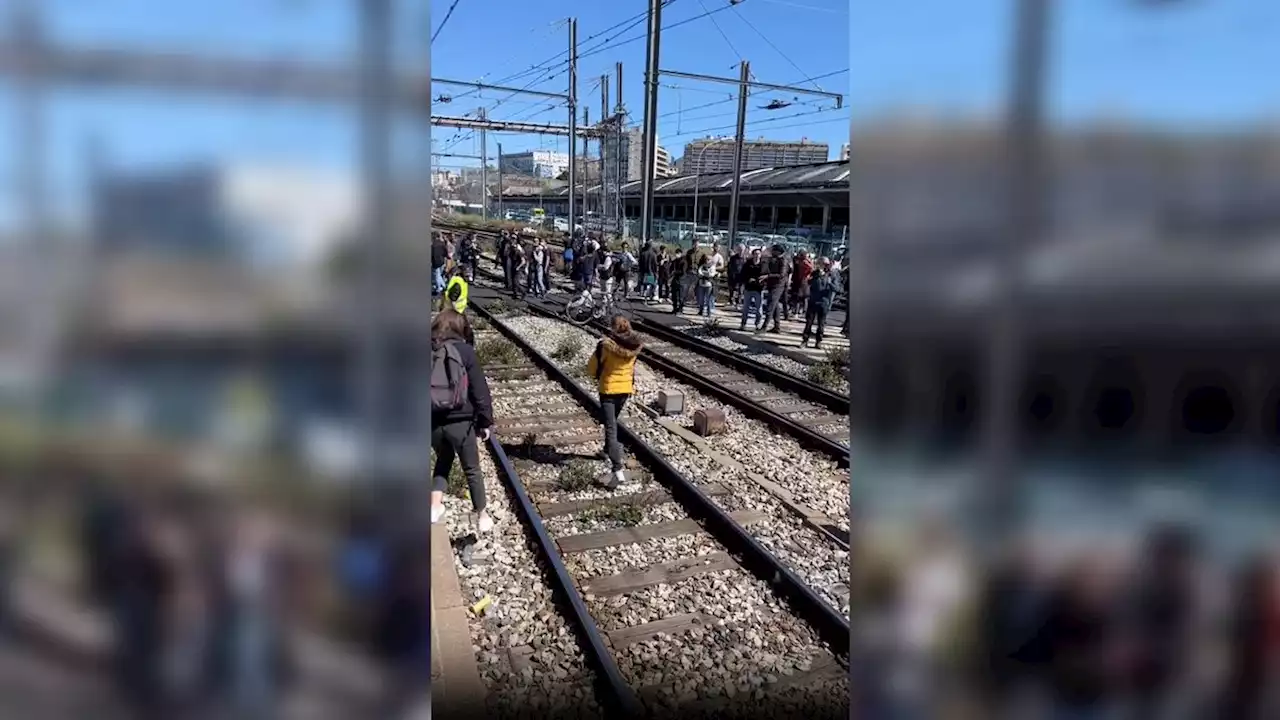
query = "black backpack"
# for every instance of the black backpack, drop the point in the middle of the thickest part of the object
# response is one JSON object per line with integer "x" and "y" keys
{"x": 449, "y": 381}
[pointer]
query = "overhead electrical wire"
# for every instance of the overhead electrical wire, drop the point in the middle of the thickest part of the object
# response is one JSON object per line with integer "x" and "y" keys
{"x": 778, "y": 50}
{"x": 734, "y": 97}
{"x": 719, "y": 29}
{"x": 445, "y": 21}
{"x": 763, "y": 122}
{"x": 630, "y": 22}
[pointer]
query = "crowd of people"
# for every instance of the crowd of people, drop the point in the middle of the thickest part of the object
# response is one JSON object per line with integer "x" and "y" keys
{"x": 764, "y": 288}
{"x": 208, "y": 600}
{"x": 1163, "y": 633}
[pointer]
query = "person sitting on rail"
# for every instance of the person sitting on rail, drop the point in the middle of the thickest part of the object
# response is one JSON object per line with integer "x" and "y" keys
{"x": 613, "y": 364}
{"x": 461, "y": 412}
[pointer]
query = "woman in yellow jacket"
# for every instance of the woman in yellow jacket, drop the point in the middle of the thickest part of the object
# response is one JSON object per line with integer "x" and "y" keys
{"x": 614, "y": 366}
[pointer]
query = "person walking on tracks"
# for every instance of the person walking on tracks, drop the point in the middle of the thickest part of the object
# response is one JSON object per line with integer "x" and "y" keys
{"x": 539, "y": 268}
{"x": 519, "y": 270}
{"x": 613, "y": 364}
{"x": 439, "y": 256}
{"x": 461, "y": 412}
{"x": 468, "y": 256}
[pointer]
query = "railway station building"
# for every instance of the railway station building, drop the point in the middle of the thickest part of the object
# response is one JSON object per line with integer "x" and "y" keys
{"x": 814, "y": 198}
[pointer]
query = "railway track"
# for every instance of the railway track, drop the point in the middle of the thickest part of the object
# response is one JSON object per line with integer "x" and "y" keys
{"x": 812, "y": 414}
{"x": 815, "y": 416}
{"x": 676, "y": 605}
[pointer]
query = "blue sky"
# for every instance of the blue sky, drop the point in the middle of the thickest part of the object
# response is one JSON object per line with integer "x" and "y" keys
{"x": 1194, "y": 62}
{"x": 786, "y": 41}
{"x": 1182, "y": 62}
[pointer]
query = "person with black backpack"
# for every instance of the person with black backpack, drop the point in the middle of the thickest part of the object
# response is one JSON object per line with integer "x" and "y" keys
{"x": 461, "y": 412}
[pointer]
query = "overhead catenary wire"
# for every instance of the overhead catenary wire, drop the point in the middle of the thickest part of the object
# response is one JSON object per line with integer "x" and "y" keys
{"x": 448, "y": 14}
{"x": 630, "y": 22}
{"x": 720, "y": 30}
{"x": 774, "y": 127}
{"x": 778, "y": 50}
{"x": 734, "y": 97}
{"x": 792, "y": 116}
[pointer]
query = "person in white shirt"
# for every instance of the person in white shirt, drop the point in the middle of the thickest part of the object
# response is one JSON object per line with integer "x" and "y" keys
{"x": 717, "y": 269}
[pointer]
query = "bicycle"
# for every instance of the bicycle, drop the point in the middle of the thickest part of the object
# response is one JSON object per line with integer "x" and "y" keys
{"x": 585, "y": 307}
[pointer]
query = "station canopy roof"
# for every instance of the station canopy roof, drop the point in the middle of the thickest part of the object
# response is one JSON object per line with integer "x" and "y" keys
{"x": 818, "y": 176}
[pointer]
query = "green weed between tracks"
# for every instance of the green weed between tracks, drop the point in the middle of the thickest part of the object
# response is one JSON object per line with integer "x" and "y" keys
{"x": 577, "y": 475}
{"x": 825, "y": 373}
{"x": 567, "y": 349}
{"x": 497, "y": 351}
{"x": 626, "y": 514}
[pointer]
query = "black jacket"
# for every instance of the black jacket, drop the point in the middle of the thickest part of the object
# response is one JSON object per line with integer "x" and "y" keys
{"x": 648, "y": 261}
{"x": 734, "y": 269}
{"x": 679, "y": 266}
{"x": 776, "y": 269}
{"x": 750, "y": 276}
{"x": 479, "y": 404}
{"x": 438, "y": 253}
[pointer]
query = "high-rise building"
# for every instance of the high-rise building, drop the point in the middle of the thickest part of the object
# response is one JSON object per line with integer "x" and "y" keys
{"x": 713, "y": 155}
{"x": 631, "y": 149}
{"x": 538, "y": 163}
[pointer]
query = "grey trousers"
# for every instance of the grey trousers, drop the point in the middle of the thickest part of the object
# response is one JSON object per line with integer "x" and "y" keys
{"x": 610, "y": 410}
{"x": 457, "y": 440}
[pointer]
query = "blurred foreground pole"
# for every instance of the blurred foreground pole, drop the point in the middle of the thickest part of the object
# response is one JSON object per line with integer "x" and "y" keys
{"x": 1000, "y": 490}
{"x": 35, "y": 356}
{"x": 375, "y": 131}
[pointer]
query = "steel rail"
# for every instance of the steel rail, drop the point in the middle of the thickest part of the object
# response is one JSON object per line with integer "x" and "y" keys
{"x": 831, "y": 626}
{"x": 805, "y": 435}
{"x": 613, "y": 690}
{"x": 809, "y": 392}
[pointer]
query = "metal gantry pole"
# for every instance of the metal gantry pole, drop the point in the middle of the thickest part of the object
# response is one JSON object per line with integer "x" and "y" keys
{"x": 743, "y": 91}
{"x": 1000, "y": 492}
{"x": 375, "y": 138}
{"x": 586, "y": 150}
{"x": 619, "y": 181}
{"x": 604, "y": 175}
{"x": 501, "y": 215}
{"x": 484, "y": 170}
{"x": 650, "y": 139}
{"x": 573, "y": 117}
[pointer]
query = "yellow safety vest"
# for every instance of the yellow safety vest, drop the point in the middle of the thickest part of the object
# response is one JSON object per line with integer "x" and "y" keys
{"x": 461, "y": 303}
